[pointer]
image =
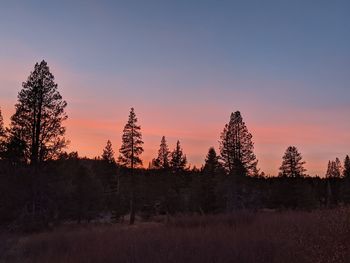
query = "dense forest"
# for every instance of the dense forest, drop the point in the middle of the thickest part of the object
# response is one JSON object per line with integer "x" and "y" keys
{"x": 42, "y": 185}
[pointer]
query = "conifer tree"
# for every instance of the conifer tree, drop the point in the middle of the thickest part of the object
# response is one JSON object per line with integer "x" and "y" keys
{"x": 346, "y": 171}
{"x": 212, "y": 164}
{"x": 108, "y": 153}
{"x": 131, "y": 143}
{"x": 2, "y": 137}
{"x": 2, "y": 128}
{"x": 334, "y": 169}
{"x": 204, "y": 186}
{"x": 129, "y": 154}
{"x": 236, "y": 147}
{"x": 338, "y": 168}
{"x": 292, "y": 164}
{"x": 39, "y": 114}
{"x": 178, "y": 159}
{"x": 162, "y": 161}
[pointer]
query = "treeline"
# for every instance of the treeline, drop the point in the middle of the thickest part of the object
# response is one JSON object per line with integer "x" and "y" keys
{"x": 41, "y": 184}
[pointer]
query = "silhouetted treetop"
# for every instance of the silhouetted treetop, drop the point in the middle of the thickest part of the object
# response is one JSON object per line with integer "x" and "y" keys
{"x": 2, "y": 128}
{"x": 212, "y": 164}
{"x": 132, "y": 143}
{"x": 236, "y": 146}
{"x": 292, "y": 164}
{"x": 178, "y": 159}
{"x": 334, "y": 169}
{"x": 40, "y": 111}
{"x": 108, "y": 153}
{"x": 2, "y": 137}
{"x": 346, "y": 172}
{"x": 162, "y": 161}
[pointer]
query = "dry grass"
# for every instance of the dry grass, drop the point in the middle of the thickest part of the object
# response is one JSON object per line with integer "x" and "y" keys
{"x": 319, "y": 236}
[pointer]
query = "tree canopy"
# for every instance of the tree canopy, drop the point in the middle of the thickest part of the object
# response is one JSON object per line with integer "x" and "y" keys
{"x": 292, "y": 164}
{"x": 108, "y": 153}
{"x": 131, "y": 148}
{"x": 162, "y": 160}
{"x": 178, "y": 159}
{"x": 236, "y": 146}
{"x": 39, "y": 115}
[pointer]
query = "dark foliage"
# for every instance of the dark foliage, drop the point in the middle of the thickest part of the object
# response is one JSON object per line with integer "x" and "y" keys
{"x": 236, "y": 148}
{"x": 292, "y": 164}
{"x": 38, "y": 119}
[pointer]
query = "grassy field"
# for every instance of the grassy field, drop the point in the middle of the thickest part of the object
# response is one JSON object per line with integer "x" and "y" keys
{"x": 319, "y": 236}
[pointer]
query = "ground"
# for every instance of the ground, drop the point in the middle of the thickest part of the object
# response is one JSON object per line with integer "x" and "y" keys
{"x": 289, "y": 236}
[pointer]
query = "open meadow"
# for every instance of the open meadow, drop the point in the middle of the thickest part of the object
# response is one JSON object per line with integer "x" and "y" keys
{"x": 290, "y": 236}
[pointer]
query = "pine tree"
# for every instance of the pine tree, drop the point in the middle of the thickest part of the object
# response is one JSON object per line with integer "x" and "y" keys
{"x": 39, "y": 116}
{"x": 131, "y": 143}
{"x": 2, "y": 137}
{"x": 2, "y": 128}
{"x": 108, "y": 153}
{"x": 236, "y": 147}
{"x": 338, "y": 168}
{"x": 212, "y": 164}
{"x": 292, "y": 165}
{"x": 346, "y": 171}
{"x": 162, "y": 161}
{"x": 334, "y": 169}
{"x": 178, "y": 159}
{"x": 203, "y": 194}
{"x": 329, "y": 169}
{"x": 129, "y": 154}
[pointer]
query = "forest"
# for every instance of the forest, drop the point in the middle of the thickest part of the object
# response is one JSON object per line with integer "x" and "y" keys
{"x": 43, "y": 186}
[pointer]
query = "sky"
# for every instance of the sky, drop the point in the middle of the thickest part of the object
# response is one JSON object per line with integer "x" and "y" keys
{"x": 184, "y": 66}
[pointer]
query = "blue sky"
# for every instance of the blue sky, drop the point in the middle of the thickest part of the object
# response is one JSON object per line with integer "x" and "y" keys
{"x": 184, "y": 66}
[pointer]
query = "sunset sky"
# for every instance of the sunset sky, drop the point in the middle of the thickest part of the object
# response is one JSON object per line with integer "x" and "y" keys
{"x": 185, "y": 66}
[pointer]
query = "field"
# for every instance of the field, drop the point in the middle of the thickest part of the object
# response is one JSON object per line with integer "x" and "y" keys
{"x": 290, "y": 236}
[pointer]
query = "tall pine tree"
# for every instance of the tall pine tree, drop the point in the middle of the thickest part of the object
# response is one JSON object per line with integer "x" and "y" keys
{"x": 39, "y": 114}
{"x": 2, "y": 137}
{"x": 162, "y": 161}
{"x": 346, "y": 171}
{"x": 2, "y": 128}
{"x": 292, "y": 164}
{"x": 108, "y": 153}
{"x": 132, "y": 143}
{"x": 334, "y": 169}
{"x": 236, "y": 147}
{"x": 130, "y": 152}
{"x": 178, "y": 159}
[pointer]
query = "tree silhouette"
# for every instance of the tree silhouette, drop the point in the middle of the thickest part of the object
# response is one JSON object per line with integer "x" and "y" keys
{"x": 346, "y": 171}
{"x": 205, "y": 185}
{"x": 2, "y": 128}
{"x": 129, "y": 154}
{"x": 334, "y": 169}
{"x": 162, "y": 161}
{"x": 108, "y": 153}
{"x": 131, "y": 143}
{"x": 212, "y": 164}
{"x": 39, "y": 116}
{"x": 2, "y": 137}
{"x": 292, "y": 164}
{"x": 178, "y": 159}
{"x": 236, "y": 146}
